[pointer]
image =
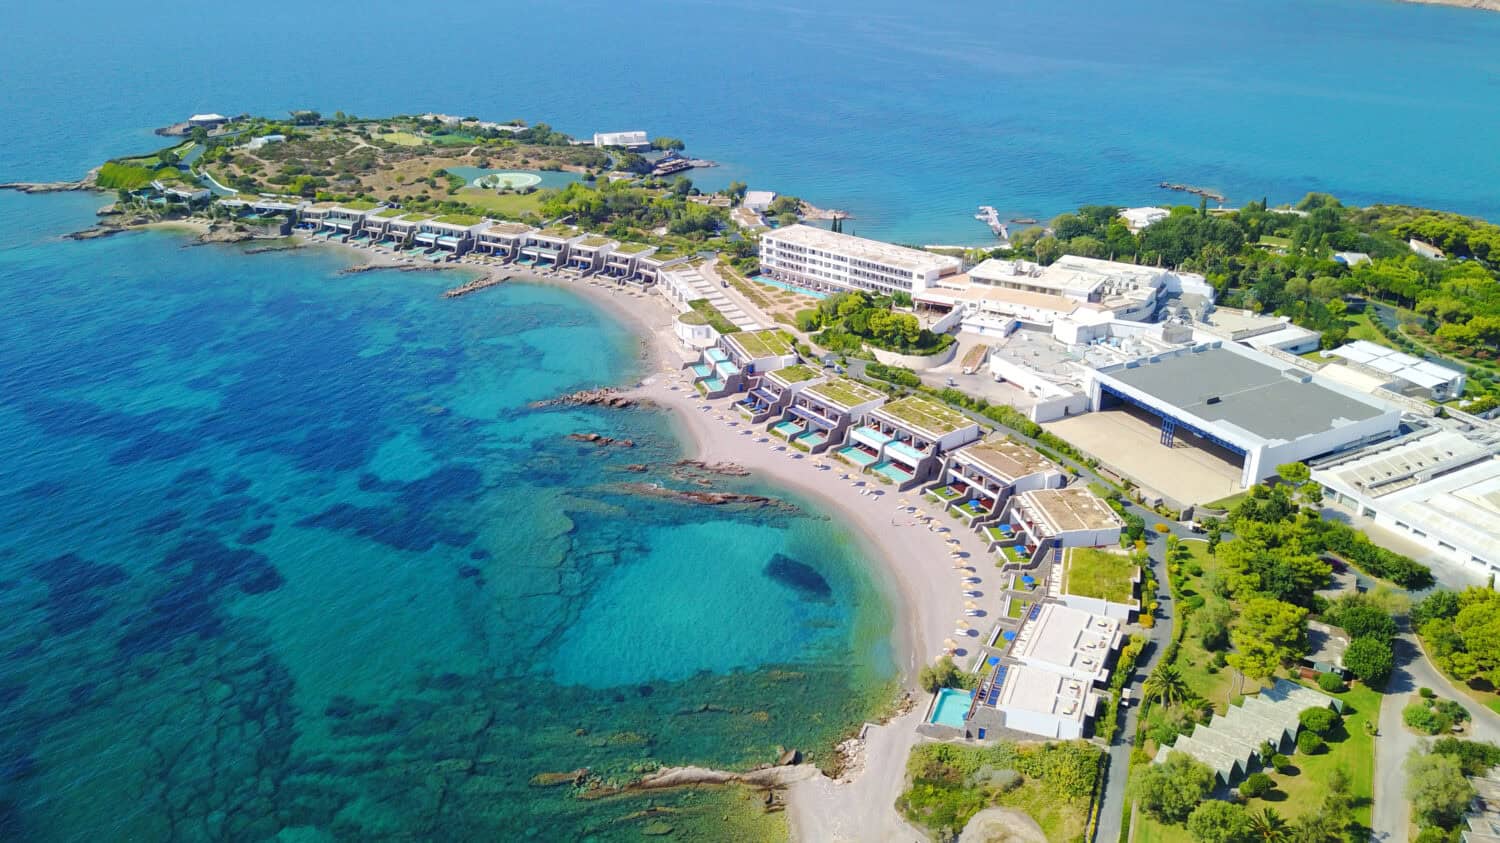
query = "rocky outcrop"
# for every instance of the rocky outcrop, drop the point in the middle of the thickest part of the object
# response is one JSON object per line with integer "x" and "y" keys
{"x": 85, "y": 183}
{"x": 573, "y": 777}
{"x": 601, "y": 397}
{"x": 694, "y": 496}
{"x": 674, "y": 777}
{"x": 601, "y": 441}
{"x": 726, "y": 469}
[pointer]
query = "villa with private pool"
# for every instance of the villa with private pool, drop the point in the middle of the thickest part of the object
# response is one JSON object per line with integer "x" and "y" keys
{"x": 502, "y": 240}
{"x": 978, "y": 479}
{"x": 820, "y": 415}
{"x": 775, "y": 391}
{"x": 1049, "y": 520}
{"x": 902, "y": 442}
{"x": 738, "y": 361}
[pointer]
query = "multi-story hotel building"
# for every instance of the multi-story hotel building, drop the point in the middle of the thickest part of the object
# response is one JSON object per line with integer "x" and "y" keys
{"x": 824, "y": 260}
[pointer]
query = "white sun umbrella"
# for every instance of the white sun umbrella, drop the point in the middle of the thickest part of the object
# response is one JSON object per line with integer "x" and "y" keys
{"x": 970, "y": 604}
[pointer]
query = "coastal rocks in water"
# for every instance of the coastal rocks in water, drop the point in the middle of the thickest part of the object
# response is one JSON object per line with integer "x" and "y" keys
{"x": 94, "y": 232}
{"x": 602, "y": 397}
{"x": 705, "y": 498}
{"x": 601, "y": 441}
{"x": 636, "y": 468}
{"x": 726, "y": 469}
{"x": 221, "y": 233}
{"x": 800, "y": 576}
{"x": 85, "y": 183}
{"x": 789, "y": 758}
{"x": 573, "y": 777}
{"x": 675, "y": 777}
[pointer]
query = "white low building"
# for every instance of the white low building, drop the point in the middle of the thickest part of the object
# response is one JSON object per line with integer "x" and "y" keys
{"x": 758, "y": 201}
{"x": 1439, "y": 488}
{"x": 825, "y": 260}
{"x": 1401, "y": 372}
{"x": 634, "y": 141}
{"x": 1072, "y": 642}
{"x": 1139, "y": 218}
{"x": 1062, "y": 518}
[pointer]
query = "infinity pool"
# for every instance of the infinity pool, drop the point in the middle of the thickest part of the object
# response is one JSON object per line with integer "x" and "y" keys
{"x": 791, "y": 288}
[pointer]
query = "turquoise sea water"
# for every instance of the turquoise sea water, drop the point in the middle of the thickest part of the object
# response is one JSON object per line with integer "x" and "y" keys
{"x": 286, "y": 551}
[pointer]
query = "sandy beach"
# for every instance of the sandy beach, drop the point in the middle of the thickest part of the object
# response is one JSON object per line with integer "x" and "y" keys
{"x": 912, "y": 559}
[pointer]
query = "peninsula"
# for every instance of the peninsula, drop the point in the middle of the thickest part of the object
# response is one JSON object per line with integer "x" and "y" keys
{"x": 1179, "y": 456}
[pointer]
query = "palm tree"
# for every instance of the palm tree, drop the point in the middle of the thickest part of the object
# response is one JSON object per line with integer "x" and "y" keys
{"x": 1166, "y": 686}
{"x": 1269, "y": 826}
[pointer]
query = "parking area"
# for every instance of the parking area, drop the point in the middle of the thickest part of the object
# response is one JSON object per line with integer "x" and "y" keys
{"x": 1131, "y": 444}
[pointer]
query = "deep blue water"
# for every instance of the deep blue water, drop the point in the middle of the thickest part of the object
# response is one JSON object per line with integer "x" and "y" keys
{"x": 907, "y": 114}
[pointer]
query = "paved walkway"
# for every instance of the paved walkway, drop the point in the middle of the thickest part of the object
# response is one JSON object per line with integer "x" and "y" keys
{"x": 1392, "y": 813}
{"x": 715, "y": 294}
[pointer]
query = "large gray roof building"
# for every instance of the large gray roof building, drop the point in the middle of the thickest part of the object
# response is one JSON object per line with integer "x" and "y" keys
{"x": 1267, "y": 411}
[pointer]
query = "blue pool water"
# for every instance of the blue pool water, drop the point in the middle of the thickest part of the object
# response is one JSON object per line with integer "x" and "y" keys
{"x": 952, "y": 706}
{"x": 785, "y": 428}
{"x": 788, "y": 287}
{"x": 892, "y": 471}
{"x": 856, "y": 456}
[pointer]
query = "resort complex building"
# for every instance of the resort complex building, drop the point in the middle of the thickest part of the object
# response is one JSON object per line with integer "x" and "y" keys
{"x": 1054, "y": 519}
{"x": 1440, "y": 488}
{"x": 776, "y": 390}
{"x": 450, "y": 233}
{"x": 623, "y": 261}
{"x": 1073, "y": 642}
{"x": 1101, "y": 581}
{"x": 503, "y": 239}
{"x": 996, "y": 295}
{"x": 978, "y": 479}
{"x": 739, "y": 360}
{"x": 1254, "y": 410}
{"x": 904, "y": 441}
{"x": 633, "y": 141}
{"x": 820, "y": 259}
{"x": 819, "y": 416}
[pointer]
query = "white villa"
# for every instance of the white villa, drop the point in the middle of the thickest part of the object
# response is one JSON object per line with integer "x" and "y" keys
{"x": 451, "y": 233}
{"x": 1069, "y": 517}
{"x": 587, "y": 255}
{"x": 903, "y": 440}
{"x": 503, "y": 239}
{"x": 775, "y": 391}
{"x": 978, "y": 479}
{"x": 739, "y": 360}
{"x": 549, "y": 247}
{"x": 821, "y": 414}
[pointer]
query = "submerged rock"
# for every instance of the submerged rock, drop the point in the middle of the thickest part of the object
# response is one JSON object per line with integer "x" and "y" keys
{"x": 600, "y": 440}
{"x": 798, "y": 575}
{"x": 602, "y": 397}
{"x": 573, "y": 777}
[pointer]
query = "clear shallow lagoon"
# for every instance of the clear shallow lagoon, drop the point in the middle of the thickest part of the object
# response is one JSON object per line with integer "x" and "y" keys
{"x": 285, "y": 549}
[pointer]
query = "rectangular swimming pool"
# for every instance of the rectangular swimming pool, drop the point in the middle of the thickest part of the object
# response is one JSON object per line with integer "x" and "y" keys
{"x": 856, "y": 456}
{"x": 952, "y": 706}
{"x": 791, "y": 288}
{"x": 893, "y": 471}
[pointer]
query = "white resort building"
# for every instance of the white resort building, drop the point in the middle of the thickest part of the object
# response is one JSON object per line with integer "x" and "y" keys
{"x": 820, "y": 259}
{"x": 739, "y": 360}
{"x": 587, "y": 255}
{"x": 903, "y": 441}
{"x": 548, "y": 248}
{"x": 820, "y": 415}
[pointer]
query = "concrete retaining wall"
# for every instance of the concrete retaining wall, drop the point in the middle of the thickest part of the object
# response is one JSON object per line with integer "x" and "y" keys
{"x": 914, "y": 362}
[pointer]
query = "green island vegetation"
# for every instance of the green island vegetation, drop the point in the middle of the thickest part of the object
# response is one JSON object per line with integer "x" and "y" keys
{"x": 1243, "y": 607}
{"x": 847, "y": 322}
{"x": 1438, "y": 788}
{"x": 1051, "y": 782}
{"x": 1282, "y": 260}
{"x": 1461, "y": 633}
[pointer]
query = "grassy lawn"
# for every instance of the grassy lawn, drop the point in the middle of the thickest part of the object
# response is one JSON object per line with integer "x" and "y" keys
{"x": 1216, "y": 686}
{"x": 513, "y": 205}
{"x": 1227, "y": 503}
{"x": 1094, "y": 573}
{"x": 1354, "y": 750}
{"x": 1278, "y": 242}
{"x": 1361, "y": 329}
{"x": 401, "y": 138}
{"x": 1060, "y": 819}
{"x": 1303, "y": 791}
{"x": 1017, "y": 608}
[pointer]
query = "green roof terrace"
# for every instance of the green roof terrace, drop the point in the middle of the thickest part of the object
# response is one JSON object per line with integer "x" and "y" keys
{"x": 359, "y": 205}
{"x": 795, "y": 374}
{"x": 925, "y": 415}
{"x": 389, "y": 213}
{"x": 558, "y": 231}
{"x": 844, "y": 392}
{"x": 594, "y": 241}
{"x": 465, "y": 220}
{"x": 759, "y": 344}
{"x": 1089, "y": 572}
{"x": 631, "y": 248}
{"x": 417, "y": 217}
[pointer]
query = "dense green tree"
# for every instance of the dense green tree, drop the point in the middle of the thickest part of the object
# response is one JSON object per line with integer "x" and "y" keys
{"x": 1268, "y": 635}
{"x": 1169, "y": 791}
{"x": 1437, "y": 789}
{"x": 1215, "y": 821}
{"x": 1370, "y": 659}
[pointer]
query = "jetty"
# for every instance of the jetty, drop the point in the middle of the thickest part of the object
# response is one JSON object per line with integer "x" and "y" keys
{"x": 476, "y": 285}
{"x": 990, "y": 217}
{"x": 1197, "y": 191}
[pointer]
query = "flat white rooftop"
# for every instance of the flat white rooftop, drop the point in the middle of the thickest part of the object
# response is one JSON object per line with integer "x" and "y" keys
{"x": 1413, "y": 370}
{"x": 859, "y": 248}
{"x": 1068, "y": 638}
{"x": 1068, "y": 509}
{"x": 1037, "y": 689}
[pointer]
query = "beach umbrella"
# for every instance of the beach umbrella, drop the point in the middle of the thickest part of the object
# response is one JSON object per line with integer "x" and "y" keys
{"x": 970, "y": 604}
{"x": 950, "y": 643}
{"x": 963, "y": 624}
